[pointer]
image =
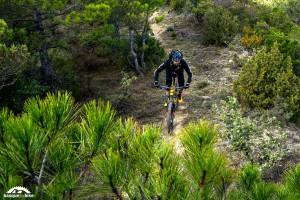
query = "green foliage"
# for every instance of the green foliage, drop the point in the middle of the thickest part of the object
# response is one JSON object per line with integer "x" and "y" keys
{"x": 51, "y": 146}
{"x": 136, "y": 164}
{"x": 3, "y": 27}
{"x": 160, "y": 18}
{"x": 219, "y": 26}
{"x": 260, "y": 140}
{"x": 201, "y": 7}
{"x": 279, "y": 19}
{"x": 110, "y": 45}
{"x": 91, "y": 13}
{"x": 249, "y": 176}
{"x": 22, "y": 89}
{"x": 48, "y": 147}
{"x": 292, "y": 180}
{"x": 63, "y": 65}
{"x": 178, "y": 5}
{"x": 251, "y": 186}
{"x": 60, "y": 111}
{"x": 239, "y": 129}
{"x": 286, "y": 45}
{"x": 15, "y": 86}
{"x": 292, "y": 8}
{"x": 275, "y": 17}
{"x": 268, "y": 79}
{"x": 58, "y": 152}
{"x": 5, "y": 114}
{"x": 126, "y": 82}
{"x": 202, "y": 163}
{"x": 97, "y": 123}
{"x": 154, "y": 52}
{"x": 13, "y": 60}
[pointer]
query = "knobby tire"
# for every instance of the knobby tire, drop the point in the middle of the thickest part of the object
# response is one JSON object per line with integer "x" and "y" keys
{"x": 170, "y": 117}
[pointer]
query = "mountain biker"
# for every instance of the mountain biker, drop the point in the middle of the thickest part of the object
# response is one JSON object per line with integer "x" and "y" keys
{"x": 175, "y": 64}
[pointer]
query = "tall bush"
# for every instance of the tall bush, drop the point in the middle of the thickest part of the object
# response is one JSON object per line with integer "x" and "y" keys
{"x": 219, "y": 26}
{"x": 178, "y": 5}
{"x": 286, "y": 45}
{"x": 267, "y": 80}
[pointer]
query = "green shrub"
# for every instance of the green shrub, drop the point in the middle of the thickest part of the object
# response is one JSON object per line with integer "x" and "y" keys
{"x": 292, "y": 8}
{"x": 276, "y": 18}
{"x": 202, "y": 84}
{"x": 260, "y": 139}
{"x": 160, "y": 18}
{"x": 292, "y": 180}
{"x": 280, "y": 20}
{"x": 16, "y": 94}
{"x": 178, "y": 5}
{"x": 266, "y": 79}
{"x": 249, "y": 176}
{"x": 200, "y": 7}
{"x": 202, "y": 164}
{"x": 219, "y": 26}
{"x": 153, "y": 52}
{"x": 246, "y": 13}
{"x": 286, "y": 45}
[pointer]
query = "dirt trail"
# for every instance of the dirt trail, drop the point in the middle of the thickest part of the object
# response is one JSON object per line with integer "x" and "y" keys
{"x": 214, "y": 70}
{"x": 181, "y": 117}
{"x": 213, "y": 67}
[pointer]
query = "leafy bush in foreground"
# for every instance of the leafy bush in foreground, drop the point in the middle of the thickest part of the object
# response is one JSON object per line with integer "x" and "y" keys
{"x": 58, "y": 150}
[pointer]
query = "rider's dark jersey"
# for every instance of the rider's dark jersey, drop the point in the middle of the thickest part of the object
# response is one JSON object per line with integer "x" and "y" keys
{"x": 169, "y": 67}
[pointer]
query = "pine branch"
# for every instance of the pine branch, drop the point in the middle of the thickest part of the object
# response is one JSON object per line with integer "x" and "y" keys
{"x": 114, "y": 188}
{"x": 35, "y": 178}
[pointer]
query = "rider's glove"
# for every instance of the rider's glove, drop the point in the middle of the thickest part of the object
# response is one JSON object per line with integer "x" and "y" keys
{"x": 156, "y": 84}
{"x": 187, "y": 85}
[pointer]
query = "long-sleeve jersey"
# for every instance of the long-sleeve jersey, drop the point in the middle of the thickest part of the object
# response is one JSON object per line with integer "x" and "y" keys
{"x": 169, "y": 67}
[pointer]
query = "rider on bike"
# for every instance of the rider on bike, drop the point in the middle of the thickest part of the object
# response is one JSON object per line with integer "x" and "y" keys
{"x": 175, "y": 64}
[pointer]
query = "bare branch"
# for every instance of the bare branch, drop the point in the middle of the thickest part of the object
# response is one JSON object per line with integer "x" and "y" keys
{"x": 42, "y": 168}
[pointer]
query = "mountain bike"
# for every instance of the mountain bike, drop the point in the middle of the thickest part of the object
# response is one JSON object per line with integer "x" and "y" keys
{"x": 172, "y": 101}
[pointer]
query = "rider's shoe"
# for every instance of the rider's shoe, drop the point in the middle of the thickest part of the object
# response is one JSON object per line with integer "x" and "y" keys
{"x": 180, "y": 98}
{"x": 166, "y": 102}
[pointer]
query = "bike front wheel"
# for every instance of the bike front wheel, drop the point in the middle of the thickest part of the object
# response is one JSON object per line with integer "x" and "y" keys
{"x": 170, "y": 117}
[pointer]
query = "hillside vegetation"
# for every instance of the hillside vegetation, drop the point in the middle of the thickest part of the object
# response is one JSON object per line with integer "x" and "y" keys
{"x": 236, "y": 134}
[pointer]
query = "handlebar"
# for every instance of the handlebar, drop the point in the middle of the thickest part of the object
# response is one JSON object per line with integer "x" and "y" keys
{"x": 168, "y": 88}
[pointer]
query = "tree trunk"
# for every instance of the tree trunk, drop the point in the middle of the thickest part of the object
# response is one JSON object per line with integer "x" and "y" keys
{"x": 135, "y": 58}
{"x": 47, "y": 75}
{"x": 144, "y": 36}
{"x": 117, "y": 29}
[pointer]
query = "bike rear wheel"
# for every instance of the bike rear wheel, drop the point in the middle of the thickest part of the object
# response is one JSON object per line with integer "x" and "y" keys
{"x": 170, "y": 117}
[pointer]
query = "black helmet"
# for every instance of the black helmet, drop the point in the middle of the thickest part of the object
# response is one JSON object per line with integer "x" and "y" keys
{"x": 176, "y": 55}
